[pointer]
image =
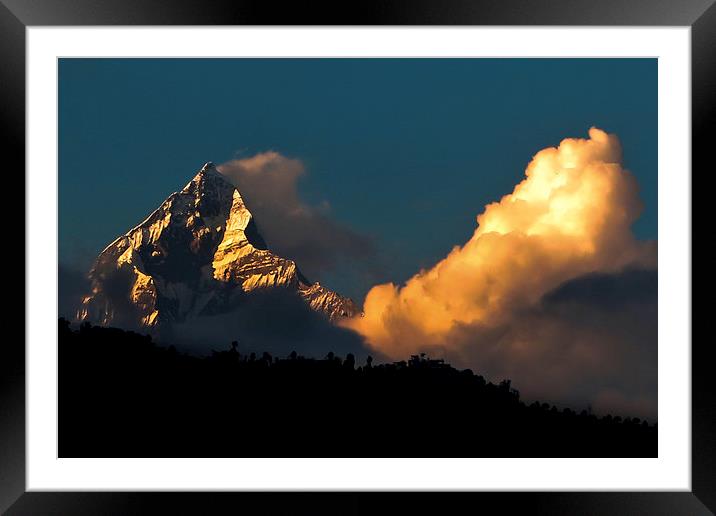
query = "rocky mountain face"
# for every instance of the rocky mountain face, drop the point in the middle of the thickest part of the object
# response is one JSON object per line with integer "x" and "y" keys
{"x": 199, "y": 253}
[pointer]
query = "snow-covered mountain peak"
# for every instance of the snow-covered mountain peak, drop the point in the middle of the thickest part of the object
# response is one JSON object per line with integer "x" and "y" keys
{"x": 196, "y": 254}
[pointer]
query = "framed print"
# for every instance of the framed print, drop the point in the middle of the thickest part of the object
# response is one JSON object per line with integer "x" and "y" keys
{"x": 420, "y": 249}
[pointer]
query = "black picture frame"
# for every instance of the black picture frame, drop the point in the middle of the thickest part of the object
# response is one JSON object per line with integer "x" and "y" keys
{"x": 17, "y": 15}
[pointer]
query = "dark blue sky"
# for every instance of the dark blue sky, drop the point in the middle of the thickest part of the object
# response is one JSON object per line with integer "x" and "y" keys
{"x": 406, "y": 150}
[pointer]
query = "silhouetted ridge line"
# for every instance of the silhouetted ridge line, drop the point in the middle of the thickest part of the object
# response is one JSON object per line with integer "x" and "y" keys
{"x": 122, "y": 395}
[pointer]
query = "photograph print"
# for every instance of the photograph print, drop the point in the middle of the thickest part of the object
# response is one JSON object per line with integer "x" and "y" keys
{"x": 389, "y": 257}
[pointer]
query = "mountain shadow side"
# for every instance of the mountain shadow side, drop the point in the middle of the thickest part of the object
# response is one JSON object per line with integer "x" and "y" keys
{"x": 121, "y": 395}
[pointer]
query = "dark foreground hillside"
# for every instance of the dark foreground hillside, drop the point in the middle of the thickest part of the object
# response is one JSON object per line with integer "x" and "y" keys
{"x": 120, "y": 395}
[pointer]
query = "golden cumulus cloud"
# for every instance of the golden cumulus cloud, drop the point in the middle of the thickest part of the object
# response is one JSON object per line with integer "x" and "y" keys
{"x": 570, "y": 216}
